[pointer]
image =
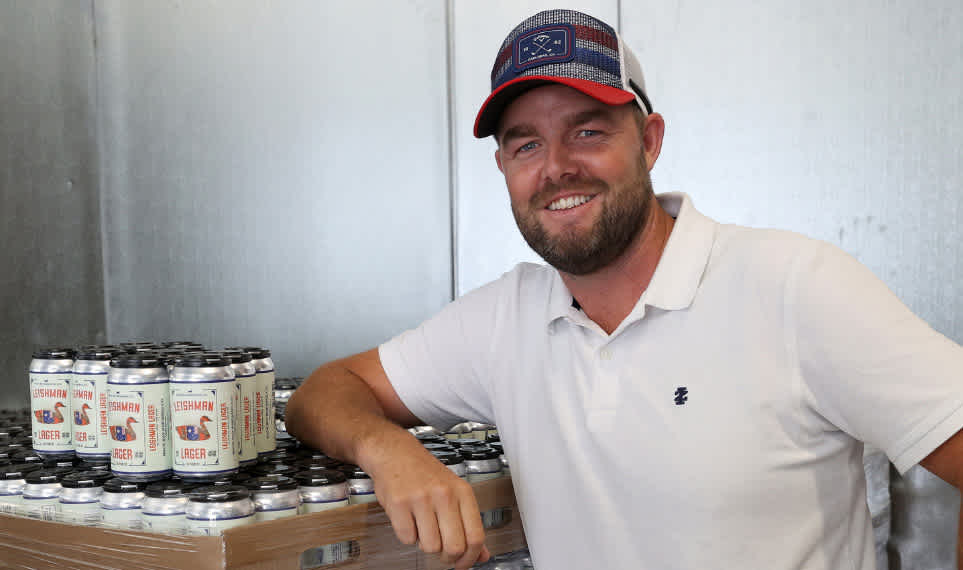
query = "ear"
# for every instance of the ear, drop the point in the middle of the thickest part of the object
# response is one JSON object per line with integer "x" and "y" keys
{"x": 498, "y": 160}
{"x": 652, "y": 134}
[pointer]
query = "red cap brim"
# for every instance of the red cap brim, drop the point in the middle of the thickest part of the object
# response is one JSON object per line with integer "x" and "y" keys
{"x": 491, "y": 110}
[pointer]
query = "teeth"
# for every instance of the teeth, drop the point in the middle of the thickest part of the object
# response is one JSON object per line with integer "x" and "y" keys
{"x": 567, "y": 203}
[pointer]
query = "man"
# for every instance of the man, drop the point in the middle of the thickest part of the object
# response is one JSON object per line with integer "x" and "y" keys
{"x": 671, "y": 392}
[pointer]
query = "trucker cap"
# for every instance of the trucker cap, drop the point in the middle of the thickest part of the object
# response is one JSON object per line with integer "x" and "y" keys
{"x": 567, "y": 47}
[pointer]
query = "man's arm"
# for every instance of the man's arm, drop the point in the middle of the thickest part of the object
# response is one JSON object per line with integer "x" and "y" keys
{"x": 349, "y": 409}
{"x": 946, "y": 462}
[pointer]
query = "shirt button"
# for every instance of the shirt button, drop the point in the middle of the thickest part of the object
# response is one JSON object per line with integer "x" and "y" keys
{"x": 605, "y": 354}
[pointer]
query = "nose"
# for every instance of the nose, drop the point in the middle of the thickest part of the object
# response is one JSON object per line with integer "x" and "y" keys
{"x": 559, "y": 163}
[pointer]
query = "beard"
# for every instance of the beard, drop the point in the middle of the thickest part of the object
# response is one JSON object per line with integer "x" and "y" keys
{"x": 621, "y": 220}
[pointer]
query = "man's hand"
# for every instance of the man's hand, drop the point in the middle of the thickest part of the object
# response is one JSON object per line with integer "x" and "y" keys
{"x": 429, "y": 505}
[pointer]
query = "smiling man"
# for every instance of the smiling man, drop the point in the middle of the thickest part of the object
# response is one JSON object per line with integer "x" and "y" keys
{"x": 671, "y": 392}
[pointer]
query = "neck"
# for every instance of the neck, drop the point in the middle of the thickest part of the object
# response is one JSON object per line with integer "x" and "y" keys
{"x": 608, "y": 295}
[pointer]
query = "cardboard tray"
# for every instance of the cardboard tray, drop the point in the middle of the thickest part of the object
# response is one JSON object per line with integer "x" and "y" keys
{"x": 279, "y": 544}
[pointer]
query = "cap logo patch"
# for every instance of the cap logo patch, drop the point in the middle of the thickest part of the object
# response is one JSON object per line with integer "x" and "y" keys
{"x": 547, "y": 44}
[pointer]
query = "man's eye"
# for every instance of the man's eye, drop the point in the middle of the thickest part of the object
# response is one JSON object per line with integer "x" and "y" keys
{"x": 527, "y": 146}
{"x": 587, "y": 133}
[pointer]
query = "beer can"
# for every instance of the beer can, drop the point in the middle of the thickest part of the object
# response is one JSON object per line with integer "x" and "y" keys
{"x": 274, "y": 497}
{"x": 360, "y": 485}
{"x": 245, "y": 375}
{"x": 497, "y": 446}
{"x": 120, "y": 504}
{"x": 80, "y": 496}
{"x": 138, "y": 414}
{"x": 265, "y": 437}
{"x": 213, "y": 509}
{"x": 165, "y": 503}
{"x": 41, "y": 493}
{"x": 453, "y": 461}
{"x": 50, "y": 373}
{"x": 203, "y": 417}
{"x": 11, "y": 486}
{"x": 322, "y": 490}
{"x": 482, "y": 463}
{"x": 88, "y": 390}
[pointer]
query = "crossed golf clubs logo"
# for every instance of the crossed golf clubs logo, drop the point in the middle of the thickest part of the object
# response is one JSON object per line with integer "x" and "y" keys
{"x": 542, "y": 42}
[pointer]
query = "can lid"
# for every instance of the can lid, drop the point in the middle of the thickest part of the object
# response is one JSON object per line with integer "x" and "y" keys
{"x": 319, "y": 477}
{"x": 466, "y": 441}
{"x": 316, "y": 463}
{"x": 353, "y": 472}
{"x": 54, "y": 352}
{"x": 438, "y": 447}
{"x": 309, "y": 453}
{"x": 95, "y": 464}
{"x": 497, "y": 446}
{"x": 84, "y": 479}
{"x": 274, "y": 469}
{"x": 238, "y": 478}
{"x": 237, "y": 356}
{"x": 67, "y": 459}
{"x": 118, "y": 485}
{"x": 98, "y": 352}
{"x": 448, "y": 457}
{"x": 492, "y": 438}
{"x": 218, "y": 494}
{"x": 431, "y": 438}
{"x": 476, "y": 453}
{"x": 137, "y": 360}
{"x": 285, "y": 384}
{"x": 280, "y": 483}
{"x": 17, "y": 470}
{"x": 26, "y": 455}
{"x": 200, "y": 360}
{"x": 168, "y": 488}
{"x": 182, "y": 344}
{"x": 286, "y": 444}
{"x": 255, "y": 351}
{"x": 279, "y": 456}
{"x": 51, "y": 475}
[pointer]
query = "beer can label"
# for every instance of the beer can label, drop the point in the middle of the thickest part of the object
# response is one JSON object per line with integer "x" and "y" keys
{"x": 128, "y": 519}
{"x": 168, "y": 524}
{"x": 89, "y": 404}
{"x": 80, "y": 513}
{"x": 317, "y": 507}
{"x": 247, "y": 394}
{"x": 202, "y": 414}
{"x": 11, "y": 504}
{"x": 275, "y": 514}
{"x": 265, "y": 434}
{"x": 214, "y": 528}
{"x": 479, "y": 477}
{"x": 50, "y": 404}
{"x": 139, "y": 428}
{"x": 47, "y": 509}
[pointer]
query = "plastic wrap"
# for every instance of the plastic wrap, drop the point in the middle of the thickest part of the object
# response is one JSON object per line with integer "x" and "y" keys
{"x": 354, "y": 537}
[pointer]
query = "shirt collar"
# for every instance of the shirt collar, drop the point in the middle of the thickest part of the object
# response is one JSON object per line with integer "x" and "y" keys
{"x": 678, "y": 273}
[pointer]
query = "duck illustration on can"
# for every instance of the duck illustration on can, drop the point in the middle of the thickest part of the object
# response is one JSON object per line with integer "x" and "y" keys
{"x": 194, "y": 432}
{"x": 80, "y": 417}
{"x": 123, "y": 433}
{"x": 53, "y": 416}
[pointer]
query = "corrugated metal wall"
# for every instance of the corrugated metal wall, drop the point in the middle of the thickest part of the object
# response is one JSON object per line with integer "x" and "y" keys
{"x": 298, "y": 175}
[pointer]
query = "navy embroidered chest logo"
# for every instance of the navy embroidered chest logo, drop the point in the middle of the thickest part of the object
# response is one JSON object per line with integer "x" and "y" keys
{"x": 681, "y": 395}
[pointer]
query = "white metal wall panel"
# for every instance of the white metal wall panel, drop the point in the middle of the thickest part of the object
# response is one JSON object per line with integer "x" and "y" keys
{"x": 843, "y": 121}
{"x": 276, "y": 173}
{"x": 51, "y": 285}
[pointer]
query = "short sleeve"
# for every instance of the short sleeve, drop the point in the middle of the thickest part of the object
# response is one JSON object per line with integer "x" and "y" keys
{"x": 439, "y": 369}
{"x": 872, "y": 367}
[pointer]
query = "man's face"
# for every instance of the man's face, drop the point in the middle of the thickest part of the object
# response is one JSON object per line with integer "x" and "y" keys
{"x": 576, "y": 175}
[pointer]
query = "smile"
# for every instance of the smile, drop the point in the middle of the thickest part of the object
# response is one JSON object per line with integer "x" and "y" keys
{"x": 568, "y": 203}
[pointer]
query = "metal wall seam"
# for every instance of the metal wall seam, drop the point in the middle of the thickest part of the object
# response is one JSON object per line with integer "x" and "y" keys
{"x": 99, "y": 117}
{"x": 452, "y": 145}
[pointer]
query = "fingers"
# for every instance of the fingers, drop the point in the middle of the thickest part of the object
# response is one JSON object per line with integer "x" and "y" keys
{"x": 474, "y": 534}
{"x": 443, "y": 520}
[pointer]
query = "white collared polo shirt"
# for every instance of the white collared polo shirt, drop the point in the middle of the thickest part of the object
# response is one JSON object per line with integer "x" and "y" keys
{"x": 718, "y": 426}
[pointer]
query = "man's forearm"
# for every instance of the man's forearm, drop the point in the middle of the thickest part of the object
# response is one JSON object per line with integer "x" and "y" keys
{"x": 336, "y": 411}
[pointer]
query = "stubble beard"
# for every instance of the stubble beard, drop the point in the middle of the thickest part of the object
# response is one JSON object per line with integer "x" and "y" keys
{"x": 622, "y": 219}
